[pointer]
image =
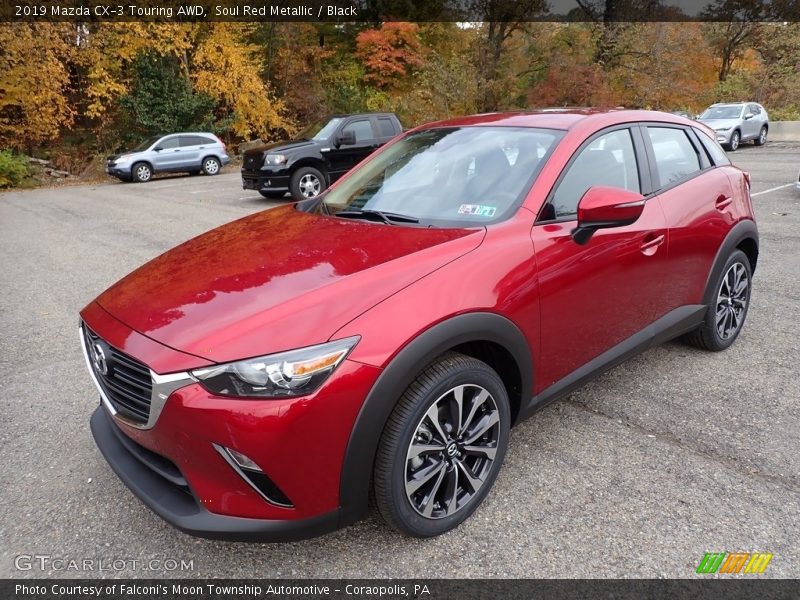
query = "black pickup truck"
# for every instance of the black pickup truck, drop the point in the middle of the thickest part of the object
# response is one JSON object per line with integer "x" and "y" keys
{"x": 318, "y": 156}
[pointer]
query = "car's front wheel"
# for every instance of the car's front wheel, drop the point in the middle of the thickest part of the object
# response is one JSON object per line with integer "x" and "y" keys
{"x": 306, "y": 182}
{"x": 734, "y": 143}
{"x": 211, "y": 166}
{"x": 141, "y": 172}
{"x": 727, "y": 310}
{"x": 762, "y": 136}
{"x": 442, "y": 447}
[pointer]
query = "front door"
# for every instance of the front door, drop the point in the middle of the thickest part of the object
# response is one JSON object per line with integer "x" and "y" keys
{"x": 346, "y": 156}
{"x": 594, "y": 296}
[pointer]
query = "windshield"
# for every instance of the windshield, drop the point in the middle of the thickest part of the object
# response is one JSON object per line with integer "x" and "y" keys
{"x": 319, "y": 131}
{"x": 146, "y": 144}
{"x": 448, "y": 176}
{"x": 722, "y": 112}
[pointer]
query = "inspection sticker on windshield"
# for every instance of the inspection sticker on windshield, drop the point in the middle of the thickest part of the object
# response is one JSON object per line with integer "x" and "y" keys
{"x": 477, "y": 210}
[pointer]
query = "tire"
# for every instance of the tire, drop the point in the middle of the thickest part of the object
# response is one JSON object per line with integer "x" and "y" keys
{"x": 762, "y": 137}
{"x": 141, "y": 172}
{"x": 726, "y": 312}
{"x": 211, "y": 165}
{"x": 454, "y": 467}
{"x": 272, "y": 195}
{"x": 306, "y": 182}
{"x": 733, "y": 145}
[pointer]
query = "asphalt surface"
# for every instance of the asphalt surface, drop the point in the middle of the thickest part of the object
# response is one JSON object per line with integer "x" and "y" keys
{"x": 677, "y": 453}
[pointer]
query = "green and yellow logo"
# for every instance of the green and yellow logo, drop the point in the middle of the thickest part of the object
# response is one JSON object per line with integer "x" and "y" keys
{"x": 734, "y": 562}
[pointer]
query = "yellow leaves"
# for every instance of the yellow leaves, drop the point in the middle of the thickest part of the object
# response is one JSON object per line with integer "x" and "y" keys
{"x": 227, "y": 68}
{"x": 33, "y": 84}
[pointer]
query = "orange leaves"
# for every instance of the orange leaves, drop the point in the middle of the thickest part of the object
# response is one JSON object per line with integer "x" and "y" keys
{"x": 390, "y": 53}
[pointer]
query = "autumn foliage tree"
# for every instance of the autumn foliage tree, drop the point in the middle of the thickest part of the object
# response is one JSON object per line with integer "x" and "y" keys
{"x": 390, "y": 53}
{"x": 34, "y": 83}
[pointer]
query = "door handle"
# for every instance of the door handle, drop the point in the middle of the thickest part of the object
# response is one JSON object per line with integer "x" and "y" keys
{"x": 177, "y": 150}
{"x": 651, "y": 244}
{"x": 723, "y": 202}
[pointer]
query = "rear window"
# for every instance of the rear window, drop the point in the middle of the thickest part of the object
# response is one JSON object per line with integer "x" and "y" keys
{"x": 675, "y": 155}
{"x": 385, "y": 127}
{"x": 715, "y": 151}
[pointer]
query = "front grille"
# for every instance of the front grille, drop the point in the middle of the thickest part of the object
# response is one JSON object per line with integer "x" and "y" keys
{"x": 253, "y": 162}
{"x": 126, "y": 382}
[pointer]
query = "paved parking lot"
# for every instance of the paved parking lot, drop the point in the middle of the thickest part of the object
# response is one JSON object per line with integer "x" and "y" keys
{"x": 677, "y": 453}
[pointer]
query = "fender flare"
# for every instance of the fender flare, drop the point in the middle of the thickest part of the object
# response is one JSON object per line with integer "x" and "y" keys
{"x": 365, "y": 436}
{"x": 743, "y": 230}
{"x": 314, "y": 161}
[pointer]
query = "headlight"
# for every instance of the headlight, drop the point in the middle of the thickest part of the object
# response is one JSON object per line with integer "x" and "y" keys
{"x": 723, "y": 129}
{"x": 283, "y": 375}
{"x": 276, "y": 159}
{"x": 122, "y": 160}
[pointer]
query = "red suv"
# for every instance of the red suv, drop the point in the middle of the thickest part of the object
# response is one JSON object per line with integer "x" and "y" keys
{"x": 259, "y": 381}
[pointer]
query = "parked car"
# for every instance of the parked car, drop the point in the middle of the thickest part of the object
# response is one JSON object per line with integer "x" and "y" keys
{"x": 262, "y": 380}
{"x": 317, "y": 157}
{"x": 191, "y": 152}
{"x": 737, "y": 122}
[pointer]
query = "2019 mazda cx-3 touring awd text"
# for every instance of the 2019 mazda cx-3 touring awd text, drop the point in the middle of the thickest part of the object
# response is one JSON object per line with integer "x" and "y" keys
{"x": 260, "y": 381}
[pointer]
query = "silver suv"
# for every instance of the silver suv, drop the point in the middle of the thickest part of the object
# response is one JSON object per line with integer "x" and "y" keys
{"x": 737, "y": 122}
{"x": 178, "y": 152}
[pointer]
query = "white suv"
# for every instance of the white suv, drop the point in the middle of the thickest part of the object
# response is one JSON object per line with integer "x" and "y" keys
{"x": 737, "y": 122}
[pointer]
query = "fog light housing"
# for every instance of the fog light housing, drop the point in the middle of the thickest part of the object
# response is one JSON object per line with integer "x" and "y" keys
{"x": 254, "y": 476}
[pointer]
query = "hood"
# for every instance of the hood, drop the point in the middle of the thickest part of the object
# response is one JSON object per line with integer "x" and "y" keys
{"x": 276, "y": 280}
{"x": 280, "y": 147}
{"x": 720, "y": 123}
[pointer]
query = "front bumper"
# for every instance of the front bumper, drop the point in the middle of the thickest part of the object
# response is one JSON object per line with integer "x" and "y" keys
{"x": 723, "y": 137}
{"x": 266, "y": 181}
{"x": 175, "y": 467}
{"x": 175, "y": 503}
{"x": 119, "y": 171}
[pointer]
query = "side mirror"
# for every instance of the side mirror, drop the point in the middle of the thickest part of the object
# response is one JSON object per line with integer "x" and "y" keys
{"x": 603, "y": 207}
{"x": 346, "y": 138}
{"x": 749, "y": 116}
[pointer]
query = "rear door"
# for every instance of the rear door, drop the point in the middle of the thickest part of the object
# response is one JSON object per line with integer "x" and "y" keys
{"x": 696, "y": 197}
{"x": 596, "y": 295}
{"x": 346, "y": 156}
{"x": 190, "y": 151}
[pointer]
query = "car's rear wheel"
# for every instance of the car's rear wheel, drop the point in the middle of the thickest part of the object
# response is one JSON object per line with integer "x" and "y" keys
{"x": 442, "y": 447}
{"x": 272, "y": 195}
{"x": 734, "y": 143}
{"x": 727, "y": 310}
{"x": 211, "y": 166}
{"x": 142, "y": 172}
{"x": 306, "y": 182}
{"x": 762, "y": 137}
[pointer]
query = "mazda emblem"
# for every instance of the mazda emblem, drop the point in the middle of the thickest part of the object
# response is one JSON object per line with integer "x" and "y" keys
{"x": 99, "y": 359}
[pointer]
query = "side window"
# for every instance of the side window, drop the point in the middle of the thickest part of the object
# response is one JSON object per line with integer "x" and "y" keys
{"x": 385, "y": 127}
{"x": 189, "y": 140}
{"x": 713, "y": 148}
{"x": 172, "y": 142}
{"x": 675, "y": 156}
{"x": 753, "y": 108}
{"x": 608, "y": 160}
{"x": 362, "y": 128}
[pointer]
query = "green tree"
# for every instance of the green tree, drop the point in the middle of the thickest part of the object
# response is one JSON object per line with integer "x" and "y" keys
{"x": 161, "y": 100}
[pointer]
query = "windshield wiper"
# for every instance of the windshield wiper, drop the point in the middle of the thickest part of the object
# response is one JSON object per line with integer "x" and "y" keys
{"x": 386, "y": 217}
